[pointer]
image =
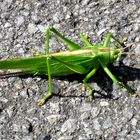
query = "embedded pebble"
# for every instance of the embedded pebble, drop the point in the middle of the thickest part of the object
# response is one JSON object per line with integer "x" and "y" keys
{"x": 69, "y": 126}
{"x": 88, "y": 131}
{"x": 24, "y": 94}
{"x": 65, "y": 138}
{"x": 104, "y": 103}
{"x": 7, "y": 25}
{"x": 107, "y": 123}
{"x": 54, "y": 107}
{"x": 85, "y": 107}
{"x": 58, "y": 17}
{"x": 23, "y": 128}
{"x": 28, "y": 138}
{"x": 42, "y": 28}
{"x": 36, "y": 19}
{"x": 18, "y": 84}
{"x": 4, "y": 100}
{"x": 134, "y": 122}
{"x": 10, "y": 111}
{"x": 32, "y": 28}
{"x": 85, "y": 115}
{"x": 19, "y": 20}
{"x": 128, "y": 113}
{"x": 52, "y": 119}
{"x": 96, "y": 124}
{"x": 95, "y": 111}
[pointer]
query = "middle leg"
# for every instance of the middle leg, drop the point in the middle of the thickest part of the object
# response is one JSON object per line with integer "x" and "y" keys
{"x": 86, "y": 85}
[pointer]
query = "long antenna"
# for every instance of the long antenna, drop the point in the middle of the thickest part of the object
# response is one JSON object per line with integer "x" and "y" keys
{"x": 131, "y": 53}
{"x": 130, "y": 44}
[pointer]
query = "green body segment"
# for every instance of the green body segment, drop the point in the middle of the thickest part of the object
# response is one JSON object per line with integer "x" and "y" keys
{"x": 86, "y": 58}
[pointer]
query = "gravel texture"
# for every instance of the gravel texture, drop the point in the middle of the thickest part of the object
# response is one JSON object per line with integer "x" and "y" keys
{"x": 69, "y": 116}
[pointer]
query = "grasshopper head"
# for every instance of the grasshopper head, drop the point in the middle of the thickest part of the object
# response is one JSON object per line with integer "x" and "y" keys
{"x": 115, "y": 53}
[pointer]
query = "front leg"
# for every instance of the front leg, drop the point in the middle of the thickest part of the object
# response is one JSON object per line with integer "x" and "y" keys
{"x": 115, "y": 80}
{"x": 108, "y": 38}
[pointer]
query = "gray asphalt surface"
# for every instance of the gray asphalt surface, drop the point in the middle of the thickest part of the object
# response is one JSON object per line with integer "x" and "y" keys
{"x": 69, "y": 116}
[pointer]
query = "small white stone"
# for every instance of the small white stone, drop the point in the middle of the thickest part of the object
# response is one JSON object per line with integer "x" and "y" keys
{"x": 4, "y": 100}
{"x": 52, "y": 119}
{"x": 32, "y": 28}
{"x": 65, "y": 138}
{"x": 104, "y": 103}
{"x": 69, "y": 126}
{"x": 7, "y": 25}
{"x": 95, "y": 111}
{"x": 54, "y": 107}
{"x": 134, "y": 122}
{"x": 19, "y": 20}
{"x": 9, "y": 1}
{"x": 85, "y": 107}
{"x": 96, "y": 125}
{"x": 42, "y": 28}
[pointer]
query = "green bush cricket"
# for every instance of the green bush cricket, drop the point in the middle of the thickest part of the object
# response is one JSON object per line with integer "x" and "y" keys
{"x": 80, "y": 60}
